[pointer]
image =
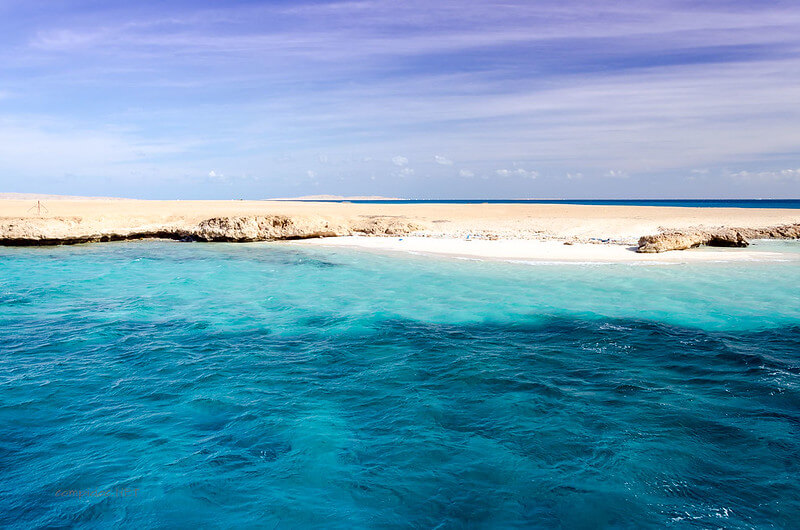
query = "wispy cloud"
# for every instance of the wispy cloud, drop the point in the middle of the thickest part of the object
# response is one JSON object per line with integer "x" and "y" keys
{"x": 782, "y": 174}
{"x": 647, "y": 90}
{"x": 518, "y": 172}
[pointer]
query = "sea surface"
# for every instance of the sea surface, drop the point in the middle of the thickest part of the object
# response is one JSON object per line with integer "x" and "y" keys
{"x": 163, "y": 384}
{"x": 685, "y": 203}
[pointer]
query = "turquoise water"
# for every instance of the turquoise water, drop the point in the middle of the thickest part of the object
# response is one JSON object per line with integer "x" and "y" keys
{"x": 159, "y": 384}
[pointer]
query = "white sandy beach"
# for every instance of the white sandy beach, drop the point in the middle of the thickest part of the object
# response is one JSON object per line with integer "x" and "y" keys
{"x": 540, "y": 251}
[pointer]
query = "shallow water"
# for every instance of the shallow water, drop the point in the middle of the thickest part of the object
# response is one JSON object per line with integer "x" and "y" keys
{"x": 273, "y": 385}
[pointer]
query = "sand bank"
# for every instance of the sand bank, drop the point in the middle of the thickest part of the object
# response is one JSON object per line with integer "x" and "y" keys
{"x": 81, "y": 220}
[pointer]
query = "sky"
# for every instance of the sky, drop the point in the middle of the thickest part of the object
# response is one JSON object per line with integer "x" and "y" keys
{"x": 416, "y": 99}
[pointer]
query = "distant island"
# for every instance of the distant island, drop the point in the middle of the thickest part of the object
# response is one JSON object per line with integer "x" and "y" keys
{"x": 339, "y": 198}
{"x": 513, "y": 230}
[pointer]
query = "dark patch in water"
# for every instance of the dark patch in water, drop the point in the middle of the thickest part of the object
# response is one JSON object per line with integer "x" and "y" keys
{"x": 229, "y": 406}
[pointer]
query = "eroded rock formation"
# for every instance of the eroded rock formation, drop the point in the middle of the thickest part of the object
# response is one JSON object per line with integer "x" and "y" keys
{"x": 72, "y": 230}
{"x": 719, "y": 237}
{"x": 263, "y": 228}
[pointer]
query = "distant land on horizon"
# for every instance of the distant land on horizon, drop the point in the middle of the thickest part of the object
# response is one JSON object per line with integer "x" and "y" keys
{"x": 380, "y": 198}
{"x": 339, "y": 198}
{"x": 42, "y": 196}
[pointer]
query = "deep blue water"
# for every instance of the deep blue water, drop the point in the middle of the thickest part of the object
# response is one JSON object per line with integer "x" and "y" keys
{"x": 689, "y": 203}
{"x": 280, "y": 386}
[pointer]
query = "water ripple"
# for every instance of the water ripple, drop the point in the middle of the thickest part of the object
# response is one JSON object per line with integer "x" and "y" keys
{"x": 279, "y": 388}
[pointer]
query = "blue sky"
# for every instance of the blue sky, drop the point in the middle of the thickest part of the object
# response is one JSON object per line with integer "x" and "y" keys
{"x": 465, "y": 99}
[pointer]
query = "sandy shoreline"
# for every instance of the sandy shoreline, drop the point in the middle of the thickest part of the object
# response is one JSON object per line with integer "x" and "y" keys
{"x": 538, "y": 251}
{"x": 513, "y": 231}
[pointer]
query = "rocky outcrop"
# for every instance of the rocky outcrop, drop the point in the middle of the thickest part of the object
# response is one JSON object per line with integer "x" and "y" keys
{"x": 282, "y": 227}
{"x": 73, "y": 230}
{"x": 719, "y": 237}
{"x": 775, "y": 232}
{"x": 263, "y": 228}
{"x": 683, "y": 239}
{"x": 376, "y": 225}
